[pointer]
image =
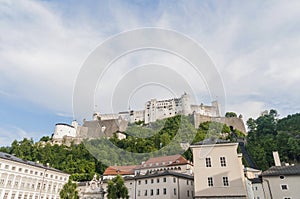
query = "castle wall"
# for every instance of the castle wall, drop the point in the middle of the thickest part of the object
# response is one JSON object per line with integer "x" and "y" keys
{"x": 62, "y": 130}
{"x": 236, "y": 123}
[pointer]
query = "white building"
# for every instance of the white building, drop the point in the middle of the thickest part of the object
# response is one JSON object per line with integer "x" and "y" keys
{"x": 160, "y": 185}
{"x": 282, "y": 182}
{"x": 161, "y": 109}
{"x": 218, "y": 170}
{"x": 29, "y": 180}
{"x": 61, "y": 130}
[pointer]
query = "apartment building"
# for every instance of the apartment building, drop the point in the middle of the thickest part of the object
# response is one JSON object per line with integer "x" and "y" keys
{"x": 218, "y": 170}
{"x": 29, "y": 180}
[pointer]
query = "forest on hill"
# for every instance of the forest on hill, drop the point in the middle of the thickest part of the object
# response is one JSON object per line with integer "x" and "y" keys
{"x": 267, "y": 133}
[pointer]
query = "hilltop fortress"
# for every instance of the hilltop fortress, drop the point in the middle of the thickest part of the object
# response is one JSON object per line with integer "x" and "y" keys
{"x": 108, "y": 124}
{"x": 160, "y": 109}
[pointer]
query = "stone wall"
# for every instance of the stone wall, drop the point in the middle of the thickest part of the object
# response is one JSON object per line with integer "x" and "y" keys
{"x": 236, "y": 123}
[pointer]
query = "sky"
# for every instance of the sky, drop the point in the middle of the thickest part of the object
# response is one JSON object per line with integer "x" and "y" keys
{"x": 255, "y": 46}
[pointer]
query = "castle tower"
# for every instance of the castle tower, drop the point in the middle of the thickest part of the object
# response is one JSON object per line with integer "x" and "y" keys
{"x": 216, "y": 109}
{"x": 186, "y": 105}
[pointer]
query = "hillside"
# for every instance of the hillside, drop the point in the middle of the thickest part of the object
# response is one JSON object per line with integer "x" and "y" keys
{"x": 268, "y": 133}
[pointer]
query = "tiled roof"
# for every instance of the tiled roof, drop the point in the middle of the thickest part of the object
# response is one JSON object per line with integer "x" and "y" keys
{"x": 19, "y": 160}
{"x": 165, "y": 161}
{"x": 282, "y": 170}
{"x": 122, "y": 170}
{"x": 158, "y": 174}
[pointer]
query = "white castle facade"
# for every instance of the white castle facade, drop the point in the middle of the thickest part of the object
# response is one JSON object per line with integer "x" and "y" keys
{"x": 161, "y": 109}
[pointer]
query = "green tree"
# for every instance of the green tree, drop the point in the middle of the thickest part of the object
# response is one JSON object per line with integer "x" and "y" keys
{"x": 116, "y": 188}
{"x": 230, "y": 114}
{"x": 69, "y": 191}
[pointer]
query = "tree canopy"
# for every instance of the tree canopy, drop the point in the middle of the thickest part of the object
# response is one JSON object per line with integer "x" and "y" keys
{"x": 116, "y": 188}
{"x": 268, "y": 133}
{"x": 69, "y": 191}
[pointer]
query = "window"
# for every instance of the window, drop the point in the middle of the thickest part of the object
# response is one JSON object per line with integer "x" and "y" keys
{"x": 175, "y": 192}
{"x": 165, "y": 180}
{"x": 13, "y": 168}
{"x": 210, "y": 181}
{"x": 187, "y": 182}
{"x": 165, "y": 191}
{"x": 208, "y": 162}
{"x": 223, "y": 161}
{"x": 157, "y": 191}
{"x": 287, "y": 198}
{"x": 225, "y": 181}
{"x": 6, "y": 166}
{"x": 16, "y": 183}
{"x": 146, "y": 181}
{"x": 284, "y": 187}
{"x": 157, "y": 180}
{"x": 152, "y": 181}
{"x": 20, "y": 169}
{"x": 2, "y": 181}
{"x": 139, "y": 182}
{"x": 8, "y": 182}
{"x": 188, "y": 193}
{"x": 174, "y": 180}
{"x": 5, "y": 196}
{"x": 139, "y": 193}
{"x": 26, "y": 170}
{"x": 281, "y": 177}
{"x": 151, "y": 192}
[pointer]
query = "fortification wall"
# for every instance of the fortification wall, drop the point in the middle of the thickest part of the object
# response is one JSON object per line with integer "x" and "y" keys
{"x": 236, "y": 123}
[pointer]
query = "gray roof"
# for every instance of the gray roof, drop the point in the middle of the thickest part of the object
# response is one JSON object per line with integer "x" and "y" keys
{"x": 282, "y": 170}
{"x": 212, "y": 141}
{"x": 19, "y": 160}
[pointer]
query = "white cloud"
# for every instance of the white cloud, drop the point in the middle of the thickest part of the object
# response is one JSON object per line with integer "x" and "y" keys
{"x": 255, "y": 47}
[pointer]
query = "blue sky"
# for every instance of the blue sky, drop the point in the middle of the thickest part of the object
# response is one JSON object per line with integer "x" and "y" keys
{"x": 255, "y": 46}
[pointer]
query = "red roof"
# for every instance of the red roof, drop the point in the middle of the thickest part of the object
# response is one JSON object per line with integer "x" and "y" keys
{"x": 166, "y": 160}
{"x": 122, "y": 170}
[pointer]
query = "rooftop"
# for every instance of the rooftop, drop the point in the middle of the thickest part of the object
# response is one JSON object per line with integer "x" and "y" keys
{"x": 122, "y": 170}
{"x": 282, "y": 170}
{"x": 166, "y": 161}
{"x": 19, "y": 160}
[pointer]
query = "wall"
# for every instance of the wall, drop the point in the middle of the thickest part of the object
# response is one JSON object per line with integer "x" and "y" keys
{"x": 236, "y": 123}
{"x": 233, "y": 170}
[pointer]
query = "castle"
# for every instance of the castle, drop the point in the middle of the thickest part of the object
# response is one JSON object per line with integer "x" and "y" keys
{"x": 109, "y": 124}
{"x": 160, "y": 109}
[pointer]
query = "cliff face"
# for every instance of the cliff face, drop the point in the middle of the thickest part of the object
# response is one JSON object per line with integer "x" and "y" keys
{"x": 236, "y": 123}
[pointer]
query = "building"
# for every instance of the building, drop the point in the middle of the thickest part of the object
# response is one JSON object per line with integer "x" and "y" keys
{"x": 282, "y": 182}
{"x": 218, "y": 170}
{"x": 158, "y": 177}
{"x": 160, "y": 109}
{"x": 254, "y": 184}
{"x": 176, "y": 163}
{"x": 29, "y": 180}
{"x": 125, "y": 171}
{"x": 159, "y": 185}
{"x": 91, "y": 190}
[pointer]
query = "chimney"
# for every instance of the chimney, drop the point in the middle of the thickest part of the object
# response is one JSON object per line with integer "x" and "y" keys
{"x": 276, "y": 158}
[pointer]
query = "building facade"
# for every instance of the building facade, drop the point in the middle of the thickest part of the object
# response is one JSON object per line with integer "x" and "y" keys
{"x": 29, "y": 180}
{"x": 159, "y": 185}
{"x": 218, "y": 170}
{"x": 282, "y": 182}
